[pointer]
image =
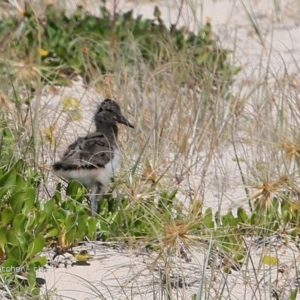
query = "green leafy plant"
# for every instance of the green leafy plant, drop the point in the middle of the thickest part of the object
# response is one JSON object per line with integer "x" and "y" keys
{"x": 89, "y": 46}
{"x": 27, "y": 223}
{"x": 20, "y": 243}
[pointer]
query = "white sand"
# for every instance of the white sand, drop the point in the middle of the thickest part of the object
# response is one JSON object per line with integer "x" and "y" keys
{"x": 281, "y": 34}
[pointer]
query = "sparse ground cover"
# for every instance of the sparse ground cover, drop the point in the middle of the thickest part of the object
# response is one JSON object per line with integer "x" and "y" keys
{"x": 206, "y": 203}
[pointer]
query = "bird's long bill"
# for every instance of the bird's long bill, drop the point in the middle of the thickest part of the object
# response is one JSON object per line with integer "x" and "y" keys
{"x": 124, "y": 121}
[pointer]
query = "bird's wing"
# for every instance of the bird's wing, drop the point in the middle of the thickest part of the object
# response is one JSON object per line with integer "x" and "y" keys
{"x": 92, "y": 151}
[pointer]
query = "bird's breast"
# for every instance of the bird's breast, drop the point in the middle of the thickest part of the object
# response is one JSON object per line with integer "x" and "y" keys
{"x": 113, "y": 164}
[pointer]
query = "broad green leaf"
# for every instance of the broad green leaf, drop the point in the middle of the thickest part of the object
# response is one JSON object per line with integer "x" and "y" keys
{"x": 82, "y": 223}
{"x": 35, "y": 291}
{"x": 7, "y": 181}
{"x": 3, "y": 240}
{"x": 208, "y": 219}
{"x": 270, "y": 260}
{"x": 242, "y": 215}
{"x": 11, "y": 236}
{"x": 225, "y": 242}
{"x": 230, "y": 220}
{"x": 17, "y": 201}
{"x": 70, "y": 222}
{"x": 49, "y": 207}
{"x": 51, "y": 32}
{"x": 41, "y": 216}
{"x": 59, "y": 216}
{"x": 71, "y": 235}
{"x": 20, "y": 182}
{"x": 79, "y": 235}
{"x": 69, "y": 205}
{"x": 293, "y": 295}
{"x": 7, "y": 215}
{"x": 41, "y": 227}
{"x": 254, "y": 220}
{"x": 36, "y": 246}
{"x": 19, "y": 222}
{"x": 75, "y": 190}
{"x": 9, "y": 266}
{"x": 15, "y": 253}
{"x": 29, "y": 199}
{"x": 18, "y": 165}
{"x": 52, "y": 232}
{"x": 31, "y": 276}
{"x": 92, "y": 224}
{"x": 32, "y": 219}
{"x": 57, "y": 196}
{"x": 23, "y": 241}
{"x": 294, "y": 233}
{"x": 38, "y": 262}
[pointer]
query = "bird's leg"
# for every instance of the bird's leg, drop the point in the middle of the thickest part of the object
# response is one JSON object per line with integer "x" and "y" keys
{"x": 95, "y": 195}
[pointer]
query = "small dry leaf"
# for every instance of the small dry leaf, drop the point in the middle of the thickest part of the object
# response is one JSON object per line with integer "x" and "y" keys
{"x": 49, "y": 131}
{"x": 70, "y": 103}
{"x": 85, "y": 49}
{"x": 52, "y": 89}
{"x": 178, "y": 178}
{"x": 43, "y": 52}
{"x": 21, "y": 13}
{"x": 270, "y": 260}
{"x": 282, "y": 268}
{"x": 149, "y": 173}
{"x": 6, "y": 104}
{"x": 83, "y": 255}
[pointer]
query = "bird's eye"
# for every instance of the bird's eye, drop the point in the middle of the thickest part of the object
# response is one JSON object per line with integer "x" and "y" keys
{"x": 99, "y": 111}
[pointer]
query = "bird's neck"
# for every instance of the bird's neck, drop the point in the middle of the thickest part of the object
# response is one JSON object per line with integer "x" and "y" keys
{"x": 109, "y": 130}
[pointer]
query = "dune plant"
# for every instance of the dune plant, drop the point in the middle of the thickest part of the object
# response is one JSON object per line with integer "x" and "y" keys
{"x": 82, "y": 44}
{"x": 28, "y": 223}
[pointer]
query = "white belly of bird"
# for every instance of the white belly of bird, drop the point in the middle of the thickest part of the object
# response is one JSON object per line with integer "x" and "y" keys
{"x": 88, "y": 177}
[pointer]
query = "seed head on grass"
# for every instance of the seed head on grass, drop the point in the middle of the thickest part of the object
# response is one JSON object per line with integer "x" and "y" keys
{"x": 268, "y": 190}
{"x": 292, "y": 150}
{"x": 27, "y": 72}
{"x": 174, "y": 233}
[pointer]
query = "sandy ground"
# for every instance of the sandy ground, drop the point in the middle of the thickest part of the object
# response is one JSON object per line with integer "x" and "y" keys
{"x": 124, "y": 274}
{"x": 119, "y": 273}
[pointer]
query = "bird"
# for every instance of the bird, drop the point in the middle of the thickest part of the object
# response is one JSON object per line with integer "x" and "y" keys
{"x": 93, "y": 160}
